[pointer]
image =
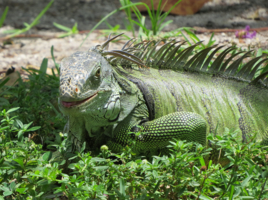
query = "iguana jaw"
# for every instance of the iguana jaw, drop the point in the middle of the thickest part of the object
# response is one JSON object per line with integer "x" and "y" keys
{"x": 69, "y": 104}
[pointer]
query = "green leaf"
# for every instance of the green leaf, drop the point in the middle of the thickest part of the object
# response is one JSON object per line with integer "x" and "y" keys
{"x": 209, "y": 164}
{"x": 122, "y": 187}
{"x": 264, "y": 174}
{"x": 20, "y": 162}
{"x": 12, "y": 109}
{"x": 96, "y": 159}
{"x": 4, "y": 128}
{"x": 47, "y": 156}
{"x": 26, "y": 25}
{"x": 12, "y": 186}
{"x": 45, "y": 172}
{"x": 101, "y": 168}
{"x": 74, "y": 29}
{"x": 34, "y": 128}
{"x": 20, "y": 134}
{"x": 244, "y": 183}
{"x": 26, "y": 126}
{"x": 64, "y": 28}
{"x": 7, "y": 193}
{"x": 83, "y": 147}
{"x": 231, "y": 193}
{"x": 201, "y": 159}
{"x": 2, "y": 83}
{"x": 155, "y": 174}
{"x": 19, "y": 123}
{"x": 42, "y": 182}
{"x": 31, "y": 163}
{"x": 204, "y": 197}
{"x": 20, "y": 149}
{"x": 62, "y": 162}
{"x": 156, "y": 186}
{"x": 5, "y": 188}
{"x": 40, "y": 194}
{"x": 43, "y": 68}
{"x": 181, "y": 191}
{"x": 21, "y": 190}
{"x": 259, "y": 52}
{"x": 246, "y": 197}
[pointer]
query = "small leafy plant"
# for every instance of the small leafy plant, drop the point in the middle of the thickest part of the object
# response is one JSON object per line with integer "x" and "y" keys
{"x": 37, "y": 99}
{"x": 29, "y": 172}
{"x": 157, "y": 19}
{"x": 70, "y": 31}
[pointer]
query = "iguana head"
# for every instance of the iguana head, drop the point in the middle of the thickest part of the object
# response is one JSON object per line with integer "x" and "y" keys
{"x": 87, "y": 81}
{"x": 83, "y": 75}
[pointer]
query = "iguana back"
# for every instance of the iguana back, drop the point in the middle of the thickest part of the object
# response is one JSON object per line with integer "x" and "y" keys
{"x": 222, "y": 101}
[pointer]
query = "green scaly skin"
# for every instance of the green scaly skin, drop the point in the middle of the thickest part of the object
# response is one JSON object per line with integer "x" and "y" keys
{"x": 105, "y": 101}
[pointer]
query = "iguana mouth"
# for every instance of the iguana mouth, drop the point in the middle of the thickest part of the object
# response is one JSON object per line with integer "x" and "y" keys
{"x": 75, "y": 103}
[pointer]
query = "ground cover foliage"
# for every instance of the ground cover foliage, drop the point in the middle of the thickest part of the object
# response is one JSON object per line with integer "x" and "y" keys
{"x": 30, "y": 132}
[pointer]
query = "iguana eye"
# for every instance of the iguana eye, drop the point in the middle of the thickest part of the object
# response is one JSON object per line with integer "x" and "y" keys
{"x": 97, "y": 74}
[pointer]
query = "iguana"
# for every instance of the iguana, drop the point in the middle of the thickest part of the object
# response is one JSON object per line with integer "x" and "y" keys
{"x": 161, "y": 92}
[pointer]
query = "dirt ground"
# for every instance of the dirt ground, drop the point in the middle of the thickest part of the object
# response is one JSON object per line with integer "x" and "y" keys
{"x": 220, "y": 16}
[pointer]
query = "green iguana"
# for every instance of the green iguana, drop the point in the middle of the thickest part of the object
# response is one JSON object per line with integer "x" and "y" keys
{"x": 162, "y": 92}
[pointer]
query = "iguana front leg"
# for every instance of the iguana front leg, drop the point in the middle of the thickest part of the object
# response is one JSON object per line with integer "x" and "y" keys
{"x": 76, "y": 134}
{"x": 157, "y": 133}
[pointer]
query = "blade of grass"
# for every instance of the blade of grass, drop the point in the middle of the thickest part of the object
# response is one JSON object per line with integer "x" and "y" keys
{"x": 64, "y": 28}
{"x": 164, "y": 24}
{"x": 188, "y": 41}
{"x": 142, "y": 28}
{"x": 211, "y": 42}
{"x": 128, "y": 13}
{"x": 194, "y": 37}
{"x": 157, "y": 16}
{"x": 4, "y": 82}
{"x": 110, "y": 14}
{"x": 43, "y": 67}
{"x": 36, "y": 20}
{"x": 3, "y": 17}
{"x": 162, "y": 18}
{"x": 56, "y": 64}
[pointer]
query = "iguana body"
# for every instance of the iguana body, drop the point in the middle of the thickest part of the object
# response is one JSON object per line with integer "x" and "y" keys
{"x": 162, "y": 94}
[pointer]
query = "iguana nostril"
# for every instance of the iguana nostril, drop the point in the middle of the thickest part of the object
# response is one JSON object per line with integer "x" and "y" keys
{"x": 76, "y": 89}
